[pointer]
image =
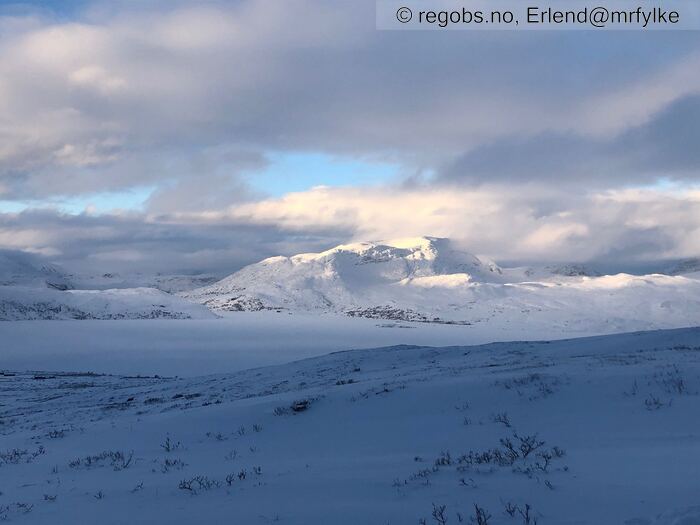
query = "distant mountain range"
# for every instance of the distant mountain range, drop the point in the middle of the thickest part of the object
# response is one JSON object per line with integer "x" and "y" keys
{"x": 423, "y": 279}
{"x": 24, "y": 269}
{"x": 428, "y": 279}
{"x": 30, "y": 290}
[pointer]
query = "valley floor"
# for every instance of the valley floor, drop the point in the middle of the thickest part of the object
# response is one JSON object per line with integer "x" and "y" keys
{"x": 239, "y": 340}
{"x": 602, "y": 430}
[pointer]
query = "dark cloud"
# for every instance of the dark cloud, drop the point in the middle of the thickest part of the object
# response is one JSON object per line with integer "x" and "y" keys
{"x": 665, "y": 147}
{"x": 136, "y": 243}
{"x": 669, "y": 144}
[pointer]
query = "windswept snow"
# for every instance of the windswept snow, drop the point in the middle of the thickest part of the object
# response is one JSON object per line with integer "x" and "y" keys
{"x": 597, "y": 431}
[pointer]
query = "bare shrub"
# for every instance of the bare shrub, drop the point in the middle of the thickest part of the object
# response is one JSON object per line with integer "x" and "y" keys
{"x": 169, "y": 445}
{"x": 438, "y": 514}
{"x": 17, "y": 455}
{"x": 481, "y": 515}
{"x": 503, "y": 418}
{"x": 172, "y": 464}
{"x": 652, "y": 402}
{"x": 198, "y": 483}
{"x": 117, "y": 459}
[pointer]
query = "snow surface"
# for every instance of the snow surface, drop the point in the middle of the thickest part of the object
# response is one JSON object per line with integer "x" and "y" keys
{"x": 380, "y": 436}
{"x": 234, "y": 342}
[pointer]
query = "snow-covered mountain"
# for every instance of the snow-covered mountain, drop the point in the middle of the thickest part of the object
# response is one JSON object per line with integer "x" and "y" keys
{"x": 430, "y": 280}
{"x": 346, "y": 276}
{"x": 18, "y": 303}
{"x": 685, "y": 267}
{"x": 19, "y": 268}
{"x": 423, "y": 279}
{"x": 31, "y": 289}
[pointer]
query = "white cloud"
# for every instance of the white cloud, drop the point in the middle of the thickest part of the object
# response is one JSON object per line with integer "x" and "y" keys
{"x": 96, "y": 77}
{"x": 534, "y": 223}
{"x": 508, "y": 224}
{"x": 306, "y": 76}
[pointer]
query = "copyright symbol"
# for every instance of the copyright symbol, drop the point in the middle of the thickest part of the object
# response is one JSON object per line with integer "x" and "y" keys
{"x": 404, "y": 15}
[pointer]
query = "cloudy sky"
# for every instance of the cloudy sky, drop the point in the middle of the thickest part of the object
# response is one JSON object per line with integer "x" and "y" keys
{"x": 202, "y": 135}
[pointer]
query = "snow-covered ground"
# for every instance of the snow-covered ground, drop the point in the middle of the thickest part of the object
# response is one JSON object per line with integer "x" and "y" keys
{"x": 116, "y": 416}
{"x": 236, "y": 341}
{"x": 233, "y": 342}
{"x": 597, "y": 431}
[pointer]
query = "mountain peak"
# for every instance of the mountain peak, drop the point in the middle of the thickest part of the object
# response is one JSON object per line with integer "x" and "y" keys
{"x": 413, "y": 244}
{"x": 346, "y": 273}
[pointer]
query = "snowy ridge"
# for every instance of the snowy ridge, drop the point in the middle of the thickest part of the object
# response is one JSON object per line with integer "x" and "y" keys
{"x": 380, "y": 436}
{"x": 32, "y": 290}
{"x": 26, "y": 303}
{"x": 429, "y": 280}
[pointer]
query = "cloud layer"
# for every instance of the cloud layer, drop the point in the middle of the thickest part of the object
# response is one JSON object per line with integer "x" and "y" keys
{"x": 536, "y": 145}
{"x": 116, "y": 85}
{"x": 619, "y": 229}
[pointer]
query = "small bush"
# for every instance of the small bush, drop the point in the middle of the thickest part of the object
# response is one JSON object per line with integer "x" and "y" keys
{"x": 117, "y": 459}
{"x": 169, "y": 445}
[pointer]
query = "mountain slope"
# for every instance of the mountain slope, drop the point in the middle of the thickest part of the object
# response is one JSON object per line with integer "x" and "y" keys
{"x": 685, "y": 267}
{"x": 31, "y": 290}
{"x": 19, "y": 303}
{"x": 345, "y": 276}
{"x": 428, "y": 280}
{"x": 19, "y": 268}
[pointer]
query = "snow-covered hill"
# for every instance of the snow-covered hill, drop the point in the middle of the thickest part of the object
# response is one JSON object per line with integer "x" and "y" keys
{"x": 428, "y": 280}
{"x": 595, "y": 431}
{"x": 31, "y": 289}
{"x": 19, "y": 268}
{"x": 19, "y": 303}
{"x": 170, "y": 283}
